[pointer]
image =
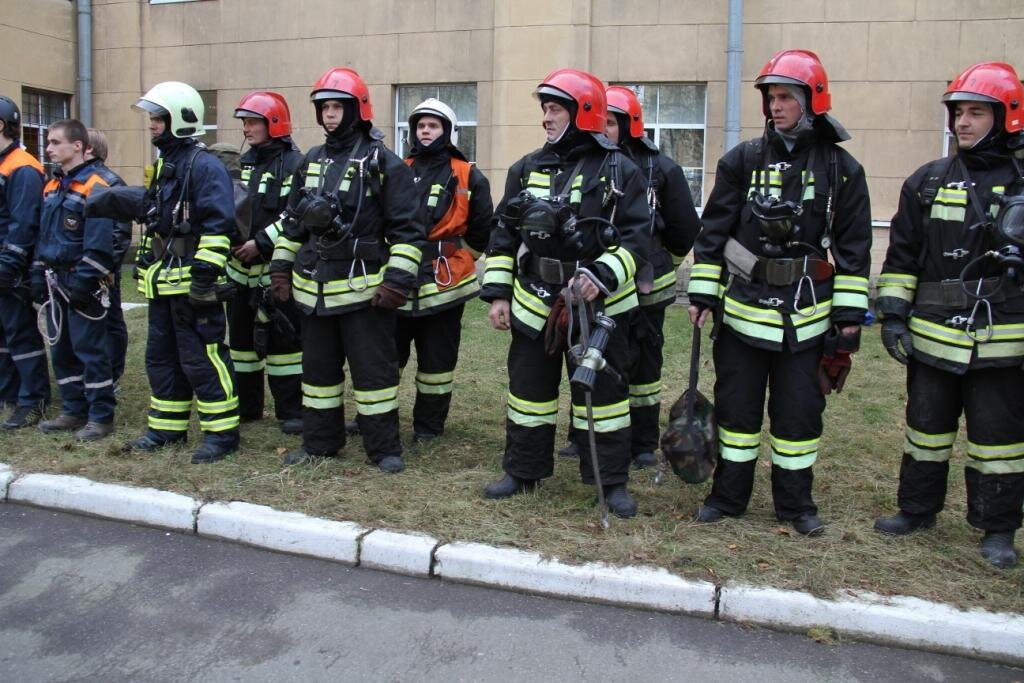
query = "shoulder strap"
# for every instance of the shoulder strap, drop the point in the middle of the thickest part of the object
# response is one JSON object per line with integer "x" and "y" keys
{"x": 933, "y": 177}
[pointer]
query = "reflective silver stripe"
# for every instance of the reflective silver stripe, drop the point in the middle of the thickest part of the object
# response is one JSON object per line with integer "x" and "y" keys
{"x": 69, "y": 380}
{"x": 16, "y": 249}
{"x": 31, "y": 354}
{"x": 97, "y": 266}
{"x": 99, "y": 385}
{"x": 5, "y": 351}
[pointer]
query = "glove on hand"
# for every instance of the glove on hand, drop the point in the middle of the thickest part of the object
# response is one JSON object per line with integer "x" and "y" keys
{"x": 81, "y": 294}
{"x": 202, "y": 291}
{"x": 895, "y": 334}
{"x": 386, "y": 297}
{"x": 836, "y": 361}
{"x": 281, "y": 286}
{"x": 556, "y": 331}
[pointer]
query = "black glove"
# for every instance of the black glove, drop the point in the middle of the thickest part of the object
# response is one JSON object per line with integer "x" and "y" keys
{"x": 894, "y": 334}
{"x": 8, "y": 278}
{"x": 39, "y": 292}
{"x": 203, "y": 289}
{"x": 81, "y": 294}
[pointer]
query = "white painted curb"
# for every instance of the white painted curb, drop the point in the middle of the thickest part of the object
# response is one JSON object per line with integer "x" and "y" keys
{"x": 290, "y": 532}
{"x": 648, "y": 587}
{"x": 411, "y": 554}
{"x": 143, "y": 506}
{"x": 903, "y": 620}
{"x": 6, "y": 477}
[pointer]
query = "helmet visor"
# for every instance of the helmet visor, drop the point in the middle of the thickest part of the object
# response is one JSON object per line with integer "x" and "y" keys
{"x": 321, "y": 95}
{"x": 248, "y": 114}
{"x": 151, "y": 107}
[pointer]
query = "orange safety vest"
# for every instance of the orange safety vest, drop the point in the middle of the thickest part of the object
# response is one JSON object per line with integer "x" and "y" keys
{"x": 455, "y": 268}
{"x": 16, "y": 159}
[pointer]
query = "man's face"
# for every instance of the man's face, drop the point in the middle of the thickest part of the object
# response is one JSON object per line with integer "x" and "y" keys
{"x": 428, "y": 129}
{"x": 63, "y": 152}
{"x": 971, "y": 122}
{"x": 555, "y": 121}
{"x": 156, "y": 126}
{"x": 783, "y": 107}
{"x": 611, "y": 128}
{"x": 332, "y": 112}
{"x": 255, "y": 131}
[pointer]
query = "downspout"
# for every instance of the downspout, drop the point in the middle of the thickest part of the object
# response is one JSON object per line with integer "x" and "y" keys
{"x": 733, "y": 75}
{"x": 85, "y": 61}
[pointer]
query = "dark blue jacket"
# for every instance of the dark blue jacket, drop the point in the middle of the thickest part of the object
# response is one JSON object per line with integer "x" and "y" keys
{"x": 21, "y": 192}
{"x": 122, "y": 229}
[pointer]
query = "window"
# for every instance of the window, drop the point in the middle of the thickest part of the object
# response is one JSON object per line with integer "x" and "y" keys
{"x": 674, "y": 116}
{"x": 39, "y": 109}
{"x": 209, "y": 110}
{"x": 461, "y": 98}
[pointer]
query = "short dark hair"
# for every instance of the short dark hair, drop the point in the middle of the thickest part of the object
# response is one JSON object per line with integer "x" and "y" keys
{"x": 73, "y": 129}
{"x": 98, "y": 144}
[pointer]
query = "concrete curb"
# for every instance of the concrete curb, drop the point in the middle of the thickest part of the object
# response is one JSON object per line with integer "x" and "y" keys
{"x": 893, "y": 620}
{"x": 6, "y": 477}
{"x": 411, "y": 554}
{"x": 649, "y": 587}
{"x": 142, "y": 506}
{"x": 290, "y": 532}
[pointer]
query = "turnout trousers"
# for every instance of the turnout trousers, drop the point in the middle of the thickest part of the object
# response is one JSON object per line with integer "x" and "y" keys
{"x": 645, "y": 347}
{"x": 992, "y": 401}
{"x": 81, "y": 363}
{"x": 23, "y": 374}
{"x": 281, "y": 358}
{"x": 366, "y": 338}
{"x": 117, "y": 329}
{"x": 795, "y": 405}
{"x": 186, "y": 354}
{"x": 533, "y": 382}
{"x": 436, "y": 338}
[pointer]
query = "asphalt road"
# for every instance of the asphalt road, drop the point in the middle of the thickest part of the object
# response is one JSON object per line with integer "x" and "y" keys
{"x": 87, "y": 599}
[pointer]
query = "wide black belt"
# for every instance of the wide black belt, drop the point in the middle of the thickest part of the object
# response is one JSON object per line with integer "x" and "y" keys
{"x": 786, "y": 271}
{"x": 348, "y": 249}
{"x": 951, "y": 294}
{"x": 549, "y": 270}
{"x": 181, "y": 247}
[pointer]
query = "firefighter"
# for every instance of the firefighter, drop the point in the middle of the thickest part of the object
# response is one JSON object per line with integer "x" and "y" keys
{"x": 456, "y": 199}
{"x": 180, "y": 268}
{"x": 265, "y": 334}
{"x": 349, "y": 251}
{"x": 786, "y": 317}
{"x": 117, "y": 329}
{"x": 24, "y": 379}
{"x": 573, "y": 216}
{"x": 74, "y": 260}
{"x": 950, "y": 294}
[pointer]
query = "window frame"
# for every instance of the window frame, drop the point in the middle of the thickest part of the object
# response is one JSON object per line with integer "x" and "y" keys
{"x": 401, "y": 126}
{"x": 42, "y": 127}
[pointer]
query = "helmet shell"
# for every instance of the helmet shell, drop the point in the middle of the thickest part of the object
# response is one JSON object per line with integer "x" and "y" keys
{"x": 178, "y": 100}
{"x": 796, "y": 67}
{"x": 270, "y": 106}
{"x": 624, "y": 100}
{"x": 10, "y": 114}
{"x": 340, "y": 83}
{"x": 435, "y": 107}
{"x": 993, "y": 82}
{"x": 585, "y": 89}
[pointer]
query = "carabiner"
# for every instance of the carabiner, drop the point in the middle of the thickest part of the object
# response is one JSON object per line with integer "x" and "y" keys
{"x": 799, "y": 289}
{"x": 969, "y": 328}
{"x": 442, "y": 259}
{"x": 352, "y": 276}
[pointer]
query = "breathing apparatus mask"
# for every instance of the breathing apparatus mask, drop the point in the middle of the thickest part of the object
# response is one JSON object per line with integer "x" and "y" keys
{"x": 319, "y": 214}
{"x": 778, "y": 221}
{"x": 1008, "y": 227}
{"x": 540, "y": 219}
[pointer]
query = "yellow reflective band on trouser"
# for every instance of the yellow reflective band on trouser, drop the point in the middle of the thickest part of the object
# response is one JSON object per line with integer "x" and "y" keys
{"x": 221, "y": 424}
{"x": 223, "y": 374}
{"x": 169, "y": 406}
{"x": 704, "y": 279}
{"x": 607, "y": 418}
{"x": 641, "y": 395}
{"x": 166, "y": 424}
{"x": 621, "y": 263}
{"x": 405, "y": 257}
{"x": 738, "y": 446}
{"x": 246, "y": 361}
{"x": 996, "y": 459}
{"x": 498, "y": 270}
{"x": 214, "y": 407}
{"x": 321, "y": 397}
{"x": 377, "y": 401}
{"x": 435, "y": 382}
{"x": 794, "y": 455}
{"x": 283, "y": 364}
{"x": 928, "y": 447}
{"x": 532, "y": 413}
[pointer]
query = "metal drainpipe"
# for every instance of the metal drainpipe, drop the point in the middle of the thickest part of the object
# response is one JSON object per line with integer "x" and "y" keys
{"x": 85, "y": 61}
{"x": 733, "y": 75}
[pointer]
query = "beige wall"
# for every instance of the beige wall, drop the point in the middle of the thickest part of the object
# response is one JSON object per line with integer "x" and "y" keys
{"x": 39, "y": 47}
{"x": 888, "y": 60}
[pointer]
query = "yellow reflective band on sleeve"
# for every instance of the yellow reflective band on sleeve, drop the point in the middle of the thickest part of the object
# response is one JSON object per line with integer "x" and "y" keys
{"x": 663, "y": 288}
{"x": 704, "y": 279}
{"x": 167, "y": 425}
{"x": 607, "y": 418}
{"x": 405, "y": 257}
{"x": 794, "y": 455}
{"x": 897, "y": 280}
{"x": 169, "y": 406}
{"x": 996, "y": 458}
{"x": 896, "y": 292}
{"x": 273, "y": 232}
{"x": 622, "y": 300}
{"x": 928, "y": 447}
{"x": 376, "y": 401}
{"x": 850, "y": 291}
{"x": 641, "y": 395}
{"x": 621, "y": 263}
{"x": 498, "y": 270}
{"x": 212, "y": 257}
{"x": 438, "y": 383}
{"x": 214, "y": 242}
{"x": 951, "y": 195}
{"x": 223, "y": 376}
{"x": 532, "y": 413}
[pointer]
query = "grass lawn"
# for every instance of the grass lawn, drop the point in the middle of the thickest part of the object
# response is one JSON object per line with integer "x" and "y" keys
{"x": 439, "y": 493}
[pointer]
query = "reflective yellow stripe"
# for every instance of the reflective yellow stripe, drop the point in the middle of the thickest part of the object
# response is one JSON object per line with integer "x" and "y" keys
{"x": 376, "y": 401}
{"x": 531, "y": 413}
{"x": 528, "y": 309}
{"x": 221, "y": 425}
{"x": 897, "y": 280}
{"x": 429, "y": 296}
{"x": 405, "y": 257}
{"x": 498, "y": 270}
{"x": 211, "y": 407}
{"x": 219, "y": 260}
{"x": 621, "y": 263}
{"x": 704, "y": 279}
{"x": 214, "y": 242}
{"x": 321, "y": 403}
{"x": 738, "y": 446}
{"x": 607, "y": 418}
{"x": 642, "y": 395}
{"x": 754, "y": 322}
{"x": 167, "y": 425}
{"x": 328, "y": 391}
{"x": 438, "y": 383}
{"x": 169, "y": 406}
{"x": 223, "y": 376}
{"x": 947, "y": 335}
{"x": 794, "y": 455}
{"x": 621, "y": 301}
{"x": 243, "y": 355}
{"x": 896, "y": 292}
{"x": 942, "y": 212}
{"x": 850, "y": 291}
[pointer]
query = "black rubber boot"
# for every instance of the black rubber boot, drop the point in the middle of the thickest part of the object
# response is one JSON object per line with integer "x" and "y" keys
{"x": 292, "y": 425}
{"x": 209, "y": 452}
{"x": 903, "y": 523}
{"x": 94, "y": 431}
{"x": 569, "y": 451}
{"x": 391, "y": 464}
{"x": 24, "y": 416}
{"x": 808, "y": 524}
{"x": 424, "y": 437}
{"x": 509, "y": 486}
{"x": 707, "y": 514}
{"x": 147, "y": 443}
{"x": 644, "y": 460}
{"x": 997, "y": 548}
{"x": 62, "y": 423}
{"x": 619, "y": 501}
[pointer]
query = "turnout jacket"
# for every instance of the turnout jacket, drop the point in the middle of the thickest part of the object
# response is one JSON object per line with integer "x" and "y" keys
{"x": 457, "y": 209}
{"x": 770, "y": 316}
{"x": 335, "y": 274}
{"x": 510, "y": 273}
{"x": 267, "y": 173}
{"x": 674, "y": 223}
{"x": 931, "y": 241}
{"x": 21, "y": 193}
{"x": 68, "y": 242}
{"x": 195, "y": 210}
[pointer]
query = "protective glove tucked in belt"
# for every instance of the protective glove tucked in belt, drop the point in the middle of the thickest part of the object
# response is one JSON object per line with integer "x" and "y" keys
{"x": 894, "y": 335}
{"x": 281, "y": 286}
{"x": 386, "y": 297}
{"x": 556, "y": 331}
{"x": 836, "y": 360}
{"x": 203, "y": 290}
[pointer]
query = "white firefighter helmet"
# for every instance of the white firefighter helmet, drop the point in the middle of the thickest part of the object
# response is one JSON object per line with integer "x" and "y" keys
{"x": 435, "y": 107}
{"x": 178, "y": 100}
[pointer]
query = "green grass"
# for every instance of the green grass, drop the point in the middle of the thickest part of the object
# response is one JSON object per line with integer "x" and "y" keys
{"x": 439, "y": 493}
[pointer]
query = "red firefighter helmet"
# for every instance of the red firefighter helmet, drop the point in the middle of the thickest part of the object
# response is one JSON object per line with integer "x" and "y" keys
{"x": 339, "y": 84}
{"x": 796, "y": 67}
{"x": 623, "y": 100}
{"x": 271, "y": 107}
{"x": 993, "y": 82}
{"x": 586, "y": 90}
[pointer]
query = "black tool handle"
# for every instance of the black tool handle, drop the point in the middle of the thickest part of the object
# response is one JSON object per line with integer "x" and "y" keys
{"x": 691, "y": 396}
